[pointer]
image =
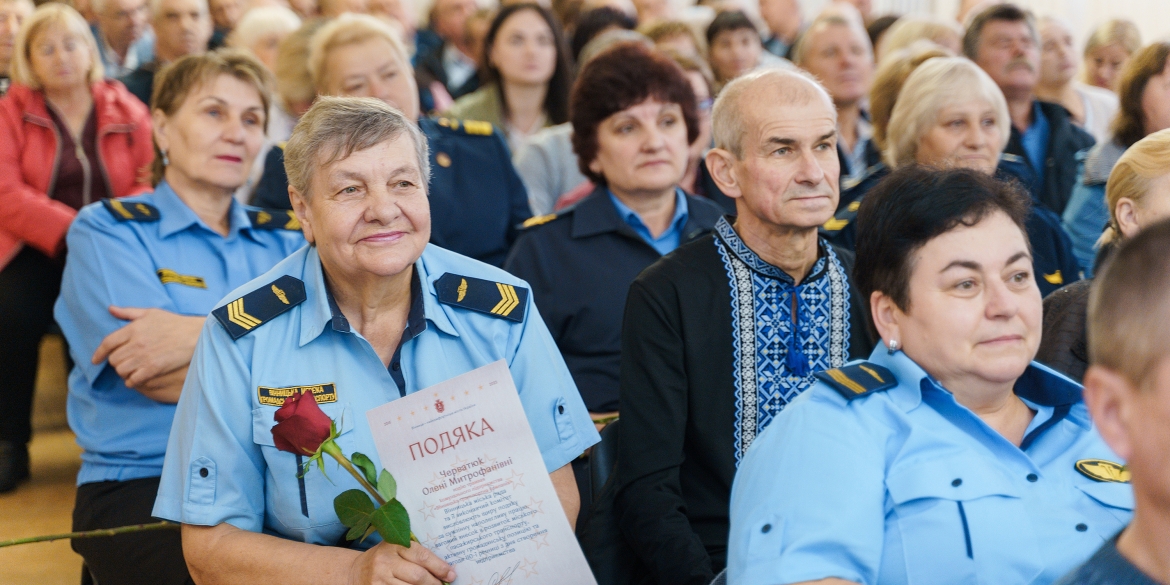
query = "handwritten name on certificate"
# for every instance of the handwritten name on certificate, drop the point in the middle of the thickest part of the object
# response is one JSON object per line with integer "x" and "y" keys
{"x": 472, "y": 478}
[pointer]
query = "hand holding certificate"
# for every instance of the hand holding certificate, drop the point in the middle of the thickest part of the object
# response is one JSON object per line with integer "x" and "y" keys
{"x": 474, "y": 483}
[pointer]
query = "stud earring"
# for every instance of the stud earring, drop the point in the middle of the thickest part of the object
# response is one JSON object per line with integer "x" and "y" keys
{"x": 166, "y": 161}
{"x": 893, "y": 346}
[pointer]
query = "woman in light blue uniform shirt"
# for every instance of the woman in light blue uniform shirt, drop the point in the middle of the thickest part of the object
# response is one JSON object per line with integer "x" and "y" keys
{"x": 949, "y": 457}
{"x": 141, "y": 276}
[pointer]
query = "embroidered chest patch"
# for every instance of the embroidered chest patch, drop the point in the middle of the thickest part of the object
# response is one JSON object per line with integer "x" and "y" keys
{"x": 782, "y": 333}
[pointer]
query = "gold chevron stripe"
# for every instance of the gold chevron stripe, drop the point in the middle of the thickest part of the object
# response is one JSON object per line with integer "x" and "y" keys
{"x": 237, "y": 315}
{"x": 117, "y": 205}
{"x": 293, "y": 223}
{"x": 508, "y": 300}
{"x": 844, "y": 380}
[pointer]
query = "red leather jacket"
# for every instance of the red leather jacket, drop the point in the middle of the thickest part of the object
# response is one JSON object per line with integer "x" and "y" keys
{"x": 29, "y": 157}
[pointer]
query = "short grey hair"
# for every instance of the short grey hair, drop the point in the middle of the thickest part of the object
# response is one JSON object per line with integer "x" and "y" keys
{"x": 336, "y": 127}
{"x": 156, "y": 7}
{"x": 727, "y": 116}
{"x": 933, "y": 85}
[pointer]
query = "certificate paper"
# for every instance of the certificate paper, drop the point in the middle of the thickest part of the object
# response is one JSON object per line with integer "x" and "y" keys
{"x": 472, "y": 478}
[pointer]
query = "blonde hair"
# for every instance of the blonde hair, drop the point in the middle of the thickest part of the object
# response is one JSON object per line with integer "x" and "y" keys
{"x": 933, "y": 85}
{"x": 665, "y": 29}
{"x": 910, "y": 29}
{"x": 889, "y": 79}
{"x": 349, "y": 29}
{"x": 293, "y": 82}
{"x": 1133, "y": 175}
{"x": 1117, "y": 31}
{"x": 47, "y": 15}
{"x": 260, "y": 22}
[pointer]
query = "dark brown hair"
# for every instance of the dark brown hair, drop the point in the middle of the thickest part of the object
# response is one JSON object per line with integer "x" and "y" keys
{"x": 556, "y": 99}
{"x": 623, "y": 76}
{"x": 996, "y": 12}
{"x": 1130, "y": 124}
{"x": 914, "y": 205}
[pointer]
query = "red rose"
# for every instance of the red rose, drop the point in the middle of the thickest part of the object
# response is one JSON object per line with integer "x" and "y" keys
{"x": 301, "y": 426}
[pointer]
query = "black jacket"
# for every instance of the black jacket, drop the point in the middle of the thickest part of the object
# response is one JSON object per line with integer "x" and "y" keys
{"x": 579, "y": 265}
{"x": 1065, "y": 140}
{"x": 677, "y": 454}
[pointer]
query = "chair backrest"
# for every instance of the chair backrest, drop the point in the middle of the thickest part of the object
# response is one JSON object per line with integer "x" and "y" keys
{"x": 603, "y": 458}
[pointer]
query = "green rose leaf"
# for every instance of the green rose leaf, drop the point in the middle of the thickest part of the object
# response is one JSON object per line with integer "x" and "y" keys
{"x": 360, "y": 531}
{"x": 354, "y": 508}
{"x": 387, "y": 486}
{"x": 393, "y": 523}
{"x": 368, "y": 469}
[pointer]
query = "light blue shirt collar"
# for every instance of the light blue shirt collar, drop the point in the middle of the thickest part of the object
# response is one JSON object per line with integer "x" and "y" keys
{"x": 316, "y": 314}
{"x": 671, "y": 238}
{"x": 1039, "y": 386}
{"x": 176, "y": 216}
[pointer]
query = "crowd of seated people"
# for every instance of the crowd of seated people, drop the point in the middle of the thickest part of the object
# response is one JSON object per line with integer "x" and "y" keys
{"x": 836, "y": 277}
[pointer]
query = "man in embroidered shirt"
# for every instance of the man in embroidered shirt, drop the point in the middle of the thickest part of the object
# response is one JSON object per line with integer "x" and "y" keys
{"x": 724, "y": 332}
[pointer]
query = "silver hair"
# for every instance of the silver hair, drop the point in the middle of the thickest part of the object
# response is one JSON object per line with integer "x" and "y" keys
{"x": 931, "y": 87}
{"x": 795, "y": 87}
{"x": 336, "y": 127}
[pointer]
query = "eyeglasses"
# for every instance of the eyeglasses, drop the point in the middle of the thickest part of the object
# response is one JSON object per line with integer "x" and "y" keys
{"x": 705, "y": 105}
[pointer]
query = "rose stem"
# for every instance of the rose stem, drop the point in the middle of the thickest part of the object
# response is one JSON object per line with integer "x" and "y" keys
{"x": 92, "y": 533}
{"x": 334, "y": 451}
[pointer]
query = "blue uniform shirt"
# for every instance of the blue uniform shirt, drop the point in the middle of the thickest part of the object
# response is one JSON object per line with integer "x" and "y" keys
{"x": 1035, "y": 141}
{"x": 174, "y": 263}
{"x": 669, "y": 239}
{"x": 907, "y": 486}
{"x": 222, "y": 465}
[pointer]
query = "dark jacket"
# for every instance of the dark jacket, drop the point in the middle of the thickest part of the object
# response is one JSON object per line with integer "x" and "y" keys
{"x": 579, "y": 264}
{"x": 1065, "y": 139}
{"x": 1053, "y": 260}
{"x": 140, "y": 82}
{"x": 477, "y": 200}
{"x": 1063, "y": 345}
{"x": 681, "y": 405}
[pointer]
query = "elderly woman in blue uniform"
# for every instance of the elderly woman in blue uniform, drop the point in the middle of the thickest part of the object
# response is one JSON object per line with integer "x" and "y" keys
{"x": 950, "y": 114}
{"x": 477, "y": 200}
{"x": 141, "y": 276}
{"x": 949, "y": 456}
{"x": 370, "y": 309}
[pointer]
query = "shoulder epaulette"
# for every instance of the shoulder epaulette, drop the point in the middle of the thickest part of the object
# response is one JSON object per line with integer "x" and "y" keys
{"x": 486, "y": 296}
{"x": 260, "y": 306}
{"x": 473, "y": 127}
{"x": 843, "y": 217}
{"x": 857, "y": 380}
{"x": 274, "y": 219}
{"x": 1012, "y": 158}
{"x": 538, "y": 220}
{"x": 131, "y": 211}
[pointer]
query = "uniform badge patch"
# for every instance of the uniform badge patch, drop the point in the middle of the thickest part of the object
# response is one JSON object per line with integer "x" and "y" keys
{"x": 274, "y": 219}
{"x": 494, "y": 298}
{"x": 1054, "y": 278}
{"x": 860, "y": 379}
{"x": 258, "y": 307}
{"x": 1103, "y": 471}
{"x": 131, "y": 211}
{"x": 168, "y": 276}
{"x": 275, "y": 396}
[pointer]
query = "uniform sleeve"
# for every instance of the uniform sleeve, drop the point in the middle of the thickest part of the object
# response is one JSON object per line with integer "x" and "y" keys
{"x": 808, "y": 499}
{"x": 214, "y": 471}
{"x": 107, "y": 265}
{"x": 555, "y": 411}
{"x": 527, "y": 261}
{"x": 654, "y": 417}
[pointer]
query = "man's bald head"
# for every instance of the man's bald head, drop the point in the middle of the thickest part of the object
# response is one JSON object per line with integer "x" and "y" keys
{"x": 734, "y": 112}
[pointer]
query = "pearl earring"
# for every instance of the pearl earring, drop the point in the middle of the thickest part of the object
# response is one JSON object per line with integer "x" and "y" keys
{"x": 893, "y": 346}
